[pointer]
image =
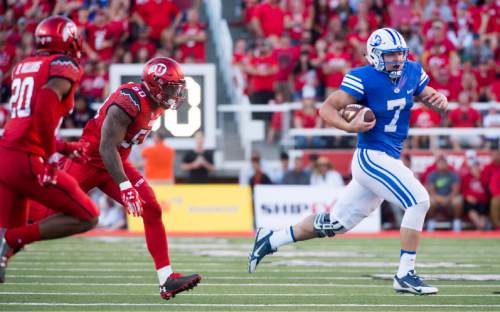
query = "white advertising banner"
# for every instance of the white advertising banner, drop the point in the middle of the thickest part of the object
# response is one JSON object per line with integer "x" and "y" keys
{"x": 277, "y": 206}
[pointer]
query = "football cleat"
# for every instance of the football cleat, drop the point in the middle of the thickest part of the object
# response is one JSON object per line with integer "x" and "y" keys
{"x": 5, "y": 254}
{"x": 261, "y": 248}
{"x": 412, "y": 283}
{"x": 177, "y": 283}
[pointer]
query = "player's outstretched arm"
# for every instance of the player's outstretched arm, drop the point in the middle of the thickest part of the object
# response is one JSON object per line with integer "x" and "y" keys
{"x": 330, "y": 112}
{"x": 435, "y": 100}
{"x": 113, "y": 133}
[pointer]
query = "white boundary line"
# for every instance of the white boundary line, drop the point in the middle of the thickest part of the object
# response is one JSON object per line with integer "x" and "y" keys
{"x": 283, "y": 305}
{"x": 211, "y": 277}
{"x": 249, "y": 285}
{"x": 101, "y": 294}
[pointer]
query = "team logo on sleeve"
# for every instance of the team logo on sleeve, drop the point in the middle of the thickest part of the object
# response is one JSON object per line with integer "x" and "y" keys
{"x": 158, "y": 69}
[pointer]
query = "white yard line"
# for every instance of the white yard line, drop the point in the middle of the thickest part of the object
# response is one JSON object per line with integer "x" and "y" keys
{"x": 346, "y": 278}
{"x": 284, "y": 305}
{"x": 246, "y": 285}
{"x": 101, "y": 294}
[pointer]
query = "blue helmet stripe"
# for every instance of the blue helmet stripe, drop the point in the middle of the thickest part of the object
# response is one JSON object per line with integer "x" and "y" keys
{"x": 392, "y": 36}
{"x": 398, "y": 35}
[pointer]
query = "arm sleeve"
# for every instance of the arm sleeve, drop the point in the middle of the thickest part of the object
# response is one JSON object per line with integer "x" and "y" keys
{"x": 46, "y": 118}
{"x": 65, "y": 67}
{"x": 423, "y": 81}
{"x": 353, "y": 85}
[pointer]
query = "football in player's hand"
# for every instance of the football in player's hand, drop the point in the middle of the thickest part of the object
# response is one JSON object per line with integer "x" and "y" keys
{"x": 351, "y": 110}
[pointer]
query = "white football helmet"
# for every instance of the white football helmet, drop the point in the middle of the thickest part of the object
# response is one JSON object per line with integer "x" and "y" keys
{"x": 383, "y": 41}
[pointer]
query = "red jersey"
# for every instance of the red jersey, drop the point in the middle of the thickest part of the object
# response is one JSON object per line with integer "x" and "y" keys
{"x": 193, "y": 49}
{"x": 468, "y": 118}
{"x": 308, "y": 120}
{"x": 424, "y": 117}
{"x": 134, "y": 102}
{"x": 157, "y": 14}
{"x": 28, "y": 77}
{"x": 96, "y": 35}
{"x": 271, "y": 19}
{"x": 472, "y": 186}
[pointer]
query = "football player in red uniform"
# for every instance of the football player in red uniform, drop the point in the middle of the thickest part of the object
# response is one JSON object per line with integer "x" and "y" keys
{"x": 43, "y": 88}
{"x": 125, "y": 119}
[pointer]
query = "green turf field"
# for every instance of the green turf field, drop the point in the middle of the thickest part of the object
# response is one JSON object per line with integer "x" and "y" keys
{"x": 116, "y": 274}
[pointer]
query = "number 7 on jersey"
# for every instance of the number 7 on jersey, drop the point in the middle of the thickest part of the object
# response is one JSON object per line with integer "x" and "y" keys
{"x": 397, "y": 105}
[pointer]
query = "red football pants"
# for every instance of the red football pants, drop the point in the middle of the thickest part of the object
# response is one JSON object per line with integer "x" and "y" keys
{"x": 19, "y": 172}
{"x": 156, "y": 239}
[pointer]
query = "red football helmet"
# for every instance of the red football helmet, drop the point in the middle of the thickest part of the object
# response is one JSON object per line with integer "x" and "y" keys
{"x": 163, "y": 79}
{"x": 58, "y": 34}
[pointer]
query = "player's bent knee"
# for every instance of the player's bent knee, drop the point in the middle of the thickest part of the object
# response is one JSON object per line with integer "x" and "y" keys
{"x": 414, "y": 216}
{"x": 151, "y": 212}
{"x": 324, "y": 226}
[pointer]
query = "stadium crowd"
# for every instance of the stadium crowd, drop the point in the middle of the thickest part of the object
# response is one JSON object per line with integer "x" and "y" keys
{"x": 292, "y": 45}
{"x": 115, "y": 31}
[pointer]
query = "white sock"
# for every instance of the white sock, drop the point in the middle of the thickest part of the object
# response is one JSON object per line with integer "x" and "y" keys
{"x": 282, "y": 237}
{"x": 164, "y": 273}
{"x": 406, "y": 262}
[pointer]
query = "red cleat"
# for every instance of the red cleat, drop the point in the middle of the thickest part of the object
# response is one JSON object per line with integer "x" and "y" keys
{"x": 177, "y": 283}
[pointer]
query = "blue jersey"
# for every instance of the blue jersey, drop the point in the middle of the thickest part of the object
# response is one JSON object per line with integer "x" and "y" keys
{"x": 390, "y": 101}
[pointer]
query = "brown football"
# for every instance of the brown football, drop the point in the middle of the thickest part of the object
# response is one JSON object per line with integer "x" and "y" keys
{"x": 351, "y": 110}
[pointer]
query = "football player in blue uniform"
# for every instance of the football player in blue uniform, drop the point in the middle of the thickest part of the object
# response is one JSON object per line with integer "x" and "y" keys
{"x": 387, "y": 86}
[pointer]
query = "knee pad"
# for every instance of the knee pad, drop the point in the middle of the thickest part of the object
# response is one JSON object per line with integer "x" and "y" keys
{"x": 324, "y": 226}
{"x": 414, "y": 216}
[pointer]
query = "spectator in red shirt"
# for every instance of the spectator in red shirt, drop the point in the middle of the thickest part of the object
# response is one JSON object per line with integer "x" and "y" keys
{"x": 303, "y": 74}
{"x": 423, "y": 117}
{"x": 287, "y": 56}
{"x": 94, "y": 83}
{"x": 363, "y": 13}
{"x": 269, "y": 19}
{"x": 495, "y": 199}
{"x": 191, "y": 39}
{"x": 478, "y": 52}
{"x": 297, "y": 19}
{"x": 7, "y": 55}
{"x": 262, "y": 68}
{"x": 308, "y": 118}
{"x": 491, "y": 178}
{"x": 400, "y": 11}
{"x": 494, "y": 90}
{"x": 475, "y": 197}
{"x": 99, "y": 38}
{"x": 249, "y": 11}
{"x": 276, "y": 124}
{"x": 143, "y": 43}
{"x": 465, "y": 116}
{"x": 443, "y": 82}
{"x": 259, "y": 177}
{"x": 335, "y": 66}
{"x": 161, "y": 16}
{"x": 469, "y": 85}
{"x": 485, "y": 76}
{"x": 357, "y": 39}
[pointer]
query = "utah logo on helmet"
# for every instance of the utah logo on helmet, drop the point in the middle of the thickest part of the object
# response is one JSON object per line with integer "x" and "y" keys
{"x": 58, "y": 34}
{"x": 158, "y": 69}
{"x": 163, "y": 79}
